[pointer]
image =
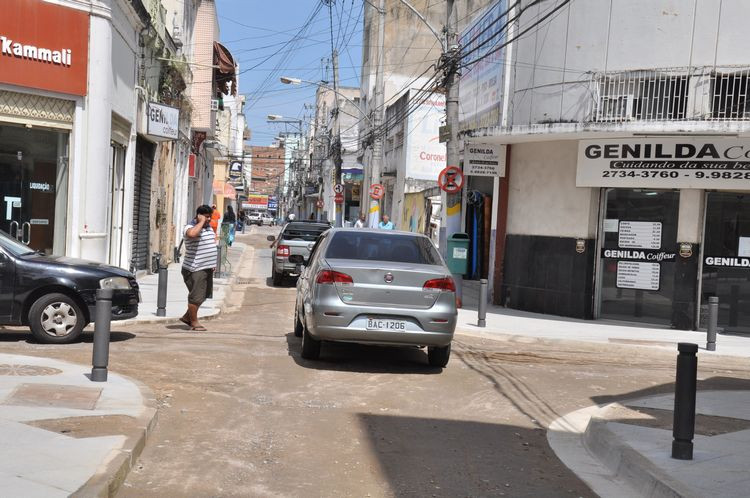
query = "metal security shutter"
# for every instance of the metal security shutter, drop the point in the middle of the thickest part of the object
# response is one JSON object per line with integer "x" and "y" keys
{"x": 144, "y": 160}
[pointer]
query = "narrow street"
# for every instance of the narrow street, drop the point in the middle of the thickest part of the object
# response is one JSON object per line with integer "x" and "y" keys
{"x": 241, "y": 414}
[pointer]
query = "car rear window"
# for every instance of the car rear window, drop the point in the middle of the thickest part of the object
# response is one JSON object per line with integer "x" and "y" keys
{"x": 303, "y": 231}
{"x": 370, "y": 246}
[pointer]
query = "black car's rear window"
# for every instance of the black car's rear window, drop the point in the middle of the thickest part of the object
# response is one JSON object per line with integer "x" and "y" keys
{"x": 303, "y": 231}
{"x": 371, "y": 246}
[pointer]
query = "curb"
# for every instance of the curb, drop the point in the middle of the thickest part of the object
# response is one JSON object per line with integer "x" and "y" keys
{"x": 629, "y": 465}
{"x": 110, "y": 476}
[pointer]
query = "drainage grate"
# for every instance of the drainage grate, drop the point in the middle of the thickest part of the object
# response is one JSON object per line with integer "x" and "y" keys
{"x": 27, "y": 370}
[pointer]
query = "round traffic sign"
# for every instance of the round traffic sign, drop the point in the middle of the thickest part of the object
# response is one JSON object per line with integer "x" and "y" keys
{"x": 451, "y": 179}
{"x": 338, "y": 188}
{"x": 339, "y": 199}
{"x": 376, "y": 191}
{"x": 319, "y": 203}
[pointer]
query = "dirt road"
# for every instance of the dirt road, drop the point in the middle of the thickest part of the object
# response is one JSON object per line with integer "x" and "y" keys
{"x": 241, "y": 414}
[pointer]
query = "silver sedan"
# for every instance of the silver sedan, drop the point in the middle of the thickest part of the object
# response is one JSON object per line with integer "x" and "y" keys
{"x": 376, "y": 287}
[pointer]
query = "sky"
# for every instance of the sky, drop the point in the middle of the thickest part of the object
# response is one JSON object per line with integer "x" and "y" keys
{"x": 273, "y": 38}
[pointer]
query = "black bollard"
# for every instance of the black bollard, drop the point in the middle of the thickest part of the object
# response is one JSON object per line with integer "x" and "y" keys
{"x": 102, "y": 321}
{"x": 482, "y": 308}
{"x": 161, "y": 297}
{"x": 683, "y": 428}
{"x": 713, "y": 323}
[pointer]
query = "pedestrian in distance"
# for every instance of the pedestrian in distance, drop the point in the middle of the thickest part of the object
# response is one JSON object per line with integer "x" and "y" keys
{"x": 386, "y": 223}
{"x": 361, "y": 221}
{"x": 199, "y": 264}
{"x": 215, "y": 217}
{"x": 230, "y": 219}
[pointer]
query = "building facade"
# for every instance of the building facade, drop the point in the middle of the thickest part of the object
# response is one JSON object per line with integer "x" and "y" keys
{"x": 626, "y": 193}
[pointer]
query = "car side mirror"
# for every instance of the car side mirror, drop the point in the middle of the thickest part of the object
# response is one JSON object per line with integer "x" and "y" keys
{"x": 270, "y": 238}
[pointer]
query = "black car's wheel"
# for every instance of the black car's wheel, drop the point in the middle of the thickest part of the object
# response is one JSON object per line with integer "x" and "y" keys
{"x": 298, "y": 327}
{"x": 310, "y": 346}
{"x": 56, "y": 319}
{"x": 438, "y": 356}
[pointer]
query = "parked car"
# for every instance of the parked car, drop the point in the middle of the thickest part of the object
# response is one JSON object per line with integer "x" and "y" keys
{"x": 254, "y": 219}
{"x": 296, "y": 238}
{"x": 267, "y": 219}
{"x": 376, "y": 287}
{"x": 56, "y": 296}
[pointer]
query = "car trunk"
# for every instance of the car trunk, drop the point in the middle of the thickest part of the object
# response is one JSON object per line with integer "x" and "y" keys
{"x": 370, "y": 288}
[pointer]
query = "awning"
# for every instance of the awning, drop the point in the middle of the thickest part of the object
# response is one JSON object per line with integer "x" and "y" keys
{"x": 225, "y": 189}
{"x": 225, "y": 72}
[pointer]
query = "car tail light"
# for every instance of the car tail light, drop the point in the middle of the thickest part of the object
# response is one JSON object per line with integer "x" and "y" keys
{"x": 282, "y": 251}
{"x": 442, "y": 284}
{"x": 333, "y": 277}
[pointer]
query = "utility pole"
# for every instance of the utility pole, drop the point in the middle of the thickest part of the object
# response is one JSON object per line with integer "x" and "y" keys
{"x": 377, "y": 145}
{"x": 337, "y": 159}
{"x": 451, "y": 202}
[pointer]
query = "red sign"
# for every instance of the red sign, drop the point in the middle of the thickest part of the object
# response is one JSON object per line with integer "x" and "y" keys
{"x": 256, "y": 201}
{"x": 376, "y": 191}
{"x": 319, "y": 203}
{"x": 451, "y": 179}
{"x": 191, "y": 165}
{"x": 45, "y": 46}
{"x": 339, "y": 199}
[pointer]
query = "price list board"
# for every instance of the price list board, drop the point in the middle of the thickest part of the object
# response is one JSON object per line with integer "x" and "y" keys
{"x": 639, "y": 234}
{"x": 638, "y": 275}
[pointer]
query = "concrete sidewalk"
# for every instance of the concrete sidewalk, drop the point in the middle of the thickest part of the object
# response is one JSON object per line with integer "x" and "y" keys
{"x": 177, "y": 292}
{"x": 624, "y": 449}
{"x": 63, "y": 434}
{"x": 523, "y": 326}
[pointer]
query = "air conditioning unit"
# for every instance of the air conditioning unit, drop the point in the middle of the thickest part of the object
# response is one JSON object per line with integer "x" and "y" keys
{"x": 616, "y": 108}
{"x": 214, "y": 104}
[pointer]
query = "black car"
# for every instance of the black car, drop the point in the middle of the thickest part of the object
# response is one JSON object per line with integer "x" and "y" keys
{"x": 56, "y": 296}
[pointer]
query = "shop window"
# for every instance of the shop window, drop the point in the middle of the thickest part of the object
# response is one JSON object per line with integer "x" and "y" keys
{"x": 726, "y": 261}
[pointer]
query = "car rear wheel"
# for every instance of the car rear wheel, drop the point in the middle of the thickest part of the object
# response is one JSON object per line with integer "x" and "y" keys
{"x": 298, "y": 327}
{"x": 56, "y": 319}
{"x": 438, "y": 356}
{"x": 310, "y": 346}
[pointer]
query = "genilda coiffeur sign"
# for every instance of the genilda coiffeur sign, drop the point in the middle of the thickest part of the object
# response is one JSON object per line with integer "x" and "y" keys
{"x": 700, "y": 163}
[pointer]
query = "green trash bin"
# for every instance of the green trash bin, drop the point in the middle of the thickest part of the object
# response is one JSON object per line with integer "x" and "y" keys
{"x": 457, "y": 254}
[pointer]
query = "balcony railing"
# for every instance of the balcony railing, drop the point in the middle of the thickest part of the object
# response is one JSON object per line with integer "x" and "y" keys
{"x": 672, "y": 94}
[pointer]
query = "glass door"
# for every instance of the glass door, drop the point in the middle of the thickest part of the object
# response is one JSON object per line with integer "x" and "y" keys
{"x": 33, "y": 186}
{"x": 726, "y": 260}
{"x": 637, "y": 259}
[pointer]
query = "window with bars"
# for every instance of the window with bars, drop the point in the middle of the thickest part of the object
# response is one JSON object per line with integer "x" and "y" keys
{"x": 729, "y": 99}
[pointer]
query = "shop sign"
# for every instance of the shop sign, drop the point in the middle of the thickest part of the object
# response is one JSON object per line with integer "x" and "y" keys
{"x": 636, "y": 275}
{"x": 235, "y": 167}
{"x": 42, "y": 187}
{"x": 424, "y": 154}
{"x": 256, "y": 201}
{"x": 701, "y": 163}
{"x": 44, "y": 46}
{"x": 272, "y": 204}
{"x": 484, "y": 160}
{"x": 639, "y": 255}
{"x": 727, "y": 262}
{"x": 639, "y": 234}
{"x": 686, "y": 249}
{"x": 163, "y": 121}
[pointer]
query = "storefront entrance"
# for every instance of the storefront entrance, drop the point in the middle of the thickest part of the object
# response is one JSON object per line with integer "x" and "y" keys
{"x": 636, "y": 270}
{"x": 33, "y": 186}
{"x": 726, "y": 260}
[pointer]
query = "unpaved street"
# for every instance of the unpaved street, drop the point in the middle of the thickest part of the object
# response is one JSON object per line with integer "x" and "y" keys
{"x": 241, "y": 414}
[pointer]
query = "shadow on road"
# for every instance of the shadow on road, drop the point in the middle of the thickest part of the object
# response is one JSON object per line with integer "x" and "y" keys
{"x": 23, "y": 335}
{"x": 346, "y": 357}
{"x": 716, "y": 383}
{"x": 286, "y": 283}
{"x": 438, "y": 457}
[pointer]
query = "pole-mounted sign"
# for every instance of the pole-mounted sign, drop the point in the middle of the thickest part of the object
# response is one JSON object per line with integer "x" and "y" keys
{"x": 451, "y": 179}
{"x": 376, "y": 191}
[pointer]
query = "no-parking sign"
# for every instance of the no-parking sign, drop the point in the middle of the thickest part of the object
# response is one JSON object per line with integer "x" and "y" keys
{"x": 451, "y": 179}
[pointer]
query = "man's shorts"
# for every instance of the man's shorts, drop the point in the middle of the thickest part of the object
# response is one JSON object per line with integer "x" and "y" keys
{"x": 200, "y": 285}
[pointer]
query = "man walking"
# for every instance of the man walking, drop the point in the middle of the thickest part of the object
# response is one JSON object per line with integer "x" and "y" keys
{"x": 198, "y": 264}
{"x": 386, "y": 223}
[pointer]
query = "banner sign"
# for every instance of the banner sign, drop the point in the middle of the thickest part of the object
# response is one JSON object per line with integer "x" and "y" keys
{"x": 700, "y": 163}
{"x": 484, "y": 160}
{"x": 163, "y": 121}
{"x": 256, "y": 201}
{"x": 425, "y": 155}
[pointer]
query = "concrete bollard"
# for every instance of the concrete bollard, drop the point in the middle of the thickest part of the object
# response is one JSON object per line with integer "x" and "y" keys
{"x": 713, "y": 323}
{"x": 102, "y": 322}
{"x": 217, "y": 272}
{"x": 482, "y": 308}
{"x": 161, "y": 297}
{"x": 683, "y": 427}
